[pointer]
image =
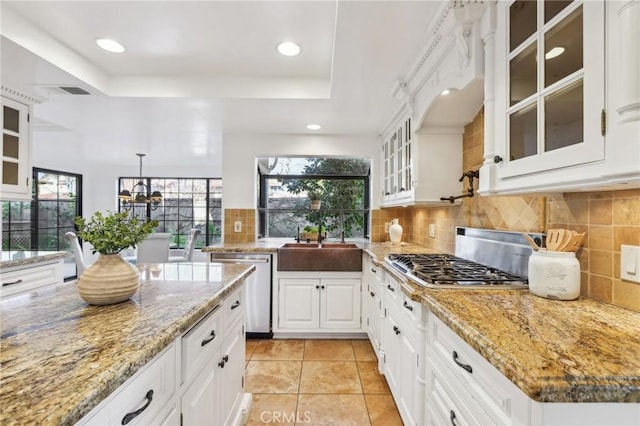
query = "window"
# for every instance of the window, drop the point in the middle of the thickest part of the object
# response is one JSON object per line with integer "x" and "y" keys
{"x": 41, "y": 224}
{"x": 186, "y": 203}
{"x": 286, "y": 188}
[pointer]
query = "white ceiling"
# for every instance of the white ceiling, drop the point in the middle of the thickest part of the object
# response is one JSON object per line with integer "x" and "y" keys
{"x": 194, "y": 70}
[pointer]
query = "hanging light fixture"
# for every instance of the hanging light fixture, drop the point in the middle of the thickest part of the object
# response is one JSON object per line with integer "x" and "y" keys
{"x": 139, "y": 194}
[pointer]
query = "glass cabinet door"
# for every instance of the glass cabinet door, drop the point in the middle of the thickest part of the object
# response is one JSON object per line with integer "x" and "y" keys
{"x": 555, "y": 84}
{"x": 15, "y": 155}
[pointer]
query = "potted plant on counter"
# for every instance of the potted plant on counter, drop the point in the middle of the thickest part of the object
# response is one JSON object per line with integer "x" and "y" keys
{"x": 111, "y": 279}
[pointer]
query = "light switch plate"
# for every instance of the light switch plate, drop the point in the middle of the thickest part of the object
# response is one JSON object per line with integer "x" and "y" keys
{"x": 432, "y": 230}
{"x": 630, "y": 263}
{"x": 237, "y": 226}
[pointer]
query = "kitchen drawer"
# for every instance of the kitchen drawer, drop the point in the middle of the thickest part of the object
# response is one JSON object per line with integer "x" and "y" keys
{"x": 233, "y": 307}
{"x": 150, "y": 388}
{"x": 412, "y": 309}
{"x": 391, "y": 287}
{"x": 449, "y": 404}
{"x": 201, "y": 342}
{"x": 30, "y": 278}
{"x": 376, "y": 271}
{"x": 499, "y": 398}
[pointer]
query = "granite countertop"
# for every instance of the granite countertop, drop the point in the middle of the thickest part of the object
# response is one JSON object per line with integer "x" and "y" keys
{"x": 60, "y": 356}
{"x": 13, "y": 258}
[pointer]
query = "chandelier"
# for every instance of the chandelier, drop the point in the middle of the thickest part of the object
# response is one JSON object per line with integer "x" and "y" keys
{"x": 139, "y": 194}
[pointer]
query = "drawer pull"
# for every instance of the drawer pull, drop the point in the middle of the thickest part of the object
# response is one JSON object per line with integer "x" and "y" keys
{"x": 130, "y": 416}
{"x": 11, "y": 283}
{"x": 465, "y": 366}
{"x": 226, "y": 358}
{"x": 406, "y": 305}
{"x": 221, "y": 363}
{"x": 210, "y": 339}
{"x": 452, "y": 417}
{"x": 390, "y": 288}
{"x": 396, "y": 330}
{"x": 235, "y": 305}
{"x": 372, "y": 294}
{"x": 374, "y": 271}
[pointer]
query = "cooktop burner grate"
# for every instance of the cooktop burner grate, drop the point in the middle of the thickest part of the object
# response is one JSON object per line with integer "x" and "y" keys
{"x": 444, "y": 269}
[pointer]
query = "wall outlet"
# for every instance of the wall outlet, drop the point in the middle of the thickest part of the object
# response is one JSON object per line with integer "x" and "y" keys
{"x": 237, "y": 226}
{"x": 386, "y": 227}
{"x": 432, "y": 230}
{"x": 630, "y": 263}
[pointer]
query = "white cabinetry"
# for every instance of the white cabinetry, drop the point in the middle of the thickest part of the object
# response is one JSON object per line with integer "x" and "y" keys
{"x": 403, "y": 337}
{"x": 23, "y": 279}
{"x": 420, "y": 167}
{"x": 553, "y": 122}
{"x": 16, "y": 152}
{"x": 464, "y": 388}
{"x": 373, "y": 312}
{"x": 198, "y": 379}
{"x": 330, "y": 303}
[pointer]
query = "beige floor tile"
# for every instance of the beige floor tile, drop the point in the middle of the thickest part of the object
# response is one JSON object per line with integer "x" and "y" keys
{"x": 363, "y": 351}
{"x": 372, "y": 381}
{"x": 276, "y": 409}
{"x": 328, "y": 350}
{"x": 343, "y": 410}
{"x": 250, "y": 346}
{"x": 382, "y": 410}
{"x": 273, "y": 376}
{"x": 330, "y": 377}
{"x": 277, "y": 349}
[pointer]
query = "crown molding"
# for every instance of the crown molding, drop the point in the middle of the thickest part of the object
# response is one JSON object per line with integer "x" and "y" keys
{"x": 17, "y": 95}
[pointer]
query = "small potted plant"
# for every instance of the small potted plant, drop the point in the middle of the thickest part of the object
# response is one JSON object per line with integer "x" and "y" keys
{"x": 111, "y": 279}
{"x": 315, "y": 196}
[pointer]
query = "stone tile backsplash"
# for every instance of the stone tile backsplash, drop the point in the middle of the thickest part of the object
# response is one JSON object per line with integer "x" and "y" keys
{"x": 610, "y": 218}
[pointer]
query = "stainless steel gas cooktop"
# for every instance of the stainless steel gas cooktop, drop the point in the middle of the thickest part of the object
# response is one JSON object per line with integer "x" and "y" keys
{"x": 484, "y": 259}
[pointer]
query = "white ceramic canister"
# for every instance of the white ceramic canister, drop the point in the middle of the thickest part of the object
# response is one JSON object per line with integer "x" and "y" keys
{"x": 395, "y": 231}
{"x": 554, "y": 275}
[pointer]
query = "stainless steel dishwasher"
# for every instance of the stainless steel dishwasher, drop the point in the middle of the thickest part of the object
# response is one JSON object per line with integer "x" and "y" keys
{"x": 258, "y": 291}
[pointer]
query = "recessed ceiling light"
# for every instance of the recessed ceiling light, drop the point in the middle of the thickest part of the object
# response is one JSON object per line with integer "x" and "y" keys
{"x": 313, "y": 126}
{"x": 445, "y": 92}
{"x": 110, "y": 45}
{"x": 288, "y": 48}
{"x": 553, "y": 53}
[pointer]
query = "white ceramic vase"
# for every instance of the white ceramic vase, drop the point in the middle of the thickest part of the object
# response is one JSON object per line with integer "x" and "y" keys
{"x": 395, "y": 231}
{"x": 110, "y": 280}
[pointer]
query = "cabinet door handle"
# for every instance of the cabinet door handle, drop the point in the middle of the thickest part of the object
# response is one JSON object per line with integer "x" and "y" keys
{"x": 374, "y": 271}
{"x": 406, "y": 305}
{"x": 132, "y": 415}
{"x": 235, "y": 305}
{"x": 221, "y": 363}
{"x": 226, "y": 358}
{"x": 390, "y": 288}
{"x": 11, "y": 283}
{"x": 317, "y": 287}
{"x": 396, "y": 330}
{"x": 372, "y": 294}
{"x": 452, "y": 417}
{"x": 213, "y": 336}
{"x": 465, "y": 366}
{"x": 322, "y": 287}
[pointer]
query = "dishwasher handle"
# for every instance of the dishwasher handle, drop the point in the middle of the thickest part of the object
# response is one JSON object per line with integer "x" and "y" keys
{"x": 240, "y": 260}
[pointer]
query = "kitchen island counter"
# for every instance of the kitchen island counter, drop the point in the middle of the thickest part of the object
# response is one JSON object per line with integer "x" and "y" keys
{"x": 60, "y": 356}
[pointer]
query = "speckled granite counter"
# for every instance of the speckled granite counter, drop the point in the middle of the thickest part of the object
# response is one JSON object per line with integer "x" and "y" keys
{"x": 12, "y": 259}
{"x": 60, "y": 356}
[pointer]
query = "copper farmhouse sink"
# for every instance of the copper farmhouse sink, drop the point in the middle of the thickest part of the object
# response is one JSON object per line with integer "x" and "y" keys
{"x": 319, "y": 257}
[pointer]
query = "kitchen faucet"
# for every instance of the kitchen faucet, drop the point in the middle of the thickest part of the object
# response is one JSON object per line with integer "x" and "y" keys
{"x": 320, "y": 231}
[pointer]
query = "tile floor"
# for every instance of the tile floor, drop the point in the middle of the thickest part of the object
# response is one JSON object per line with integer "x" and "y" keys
{"x": 317, "y": 382}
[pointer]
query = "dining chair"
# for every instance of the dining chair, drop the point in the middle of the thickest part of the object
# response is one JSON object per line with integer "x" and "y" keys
{"x": 77, "y": 252}
{"x": 189, "y": 246}
{"x": 154, "y": 248}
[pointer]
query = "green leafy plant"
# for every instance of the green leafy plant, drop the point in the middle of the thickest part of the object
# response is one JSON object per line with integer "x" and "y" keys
{"x": 113, "y": 232}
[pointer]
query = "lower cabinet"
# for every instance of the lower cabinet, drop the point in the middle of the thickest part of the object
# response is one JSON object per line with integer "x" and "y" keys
{"x": 329, "y": 303}
{"x": 197, "y": 380}
{"x": 402, "y": 342}
{"x": 23, "y": 279}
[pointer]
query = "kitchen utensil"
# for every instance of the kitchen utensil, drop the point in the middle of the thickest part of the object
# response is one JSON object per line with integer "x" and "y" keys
{"x": 555, "y": 238}
{"x": 566, "y": 239}
{"x": 575, "y": 242}
{"x": 532, "y": 243}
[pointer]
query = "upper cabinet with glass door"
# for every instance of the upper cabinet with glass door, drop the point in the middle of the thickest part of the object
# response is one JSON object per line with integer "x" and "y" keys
{"x": 550, "y": 98}
{"x": 16, "y": 160}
